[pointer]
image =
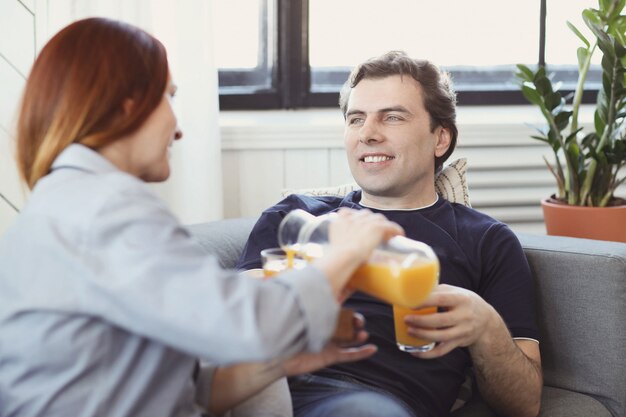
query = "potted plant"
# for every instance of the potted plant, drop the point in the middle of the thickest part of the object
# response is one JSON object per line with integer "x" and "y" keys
{"x": 586, "y": 164}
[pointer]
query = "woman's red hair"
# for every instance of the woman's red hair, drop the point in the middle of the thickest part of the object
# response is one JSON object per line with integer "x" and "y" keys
{"x": 77, "y": 87}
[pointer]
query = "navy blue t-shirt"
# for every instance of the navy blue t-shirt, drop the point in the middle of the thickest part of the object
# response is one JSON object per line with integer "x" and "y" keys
{"x": 475, "y": 252}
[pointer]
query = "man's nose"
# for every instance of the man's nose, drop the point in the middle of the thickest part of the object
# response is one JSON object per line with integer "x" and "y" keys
{"x": 370, "y": 132}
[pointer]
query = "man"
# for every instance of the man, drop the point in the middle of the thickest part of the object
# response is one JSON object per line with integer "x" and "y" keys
{"x": 400, "y": 126}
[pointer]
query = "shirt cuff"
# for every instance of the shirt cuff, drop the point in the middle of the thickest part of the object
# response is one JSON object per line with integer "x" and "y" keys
{"x": 317, "y": 303}
{"x": 204, "y": 379}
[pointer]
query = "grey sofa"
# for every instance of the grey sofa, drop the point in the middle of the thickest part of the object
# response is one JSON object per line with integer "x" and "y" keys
{"x": 581, "y": 309}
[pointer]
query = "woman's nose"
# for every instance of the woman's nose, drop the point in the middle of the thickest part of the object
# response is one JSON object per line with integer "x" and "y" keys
{"x": 178, "y": 134}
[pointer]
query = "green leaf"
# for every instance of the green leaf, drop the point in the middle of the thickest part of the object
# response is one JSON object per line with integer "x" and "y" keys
{"x": 532, "y": 95}
{"x": 599, "y": 123}
{"x": 582, "y": 55}
{"x": 573, "y": 152}
{"x": 543, "y": 85}
{"x": 577, "y": 33}
{"x": 572, "y": 136}
{"x": 541, "y": 138}
{"x": 606, "y": 82}
{"x": 589, "y": 140}
{"x": 592, "y": 17}
{"x": 620, "y": 51}
{"x": 619, "y": 26}
{"x": 553, "y": 140}
{"x": 562, "y": 119}
{"x": 552, "y": 101}
{"x": 525, "y": 72}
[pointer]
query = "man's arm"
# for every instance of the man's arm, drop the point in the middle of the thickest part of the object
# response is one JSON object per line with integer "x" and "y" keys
{"x": 510, "y": 380}
{"x": 508, "y": 372}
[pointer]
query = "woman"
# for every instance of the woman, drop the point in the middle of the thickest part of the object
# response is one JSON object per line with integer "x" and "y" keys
{"x": 105, "y": 301}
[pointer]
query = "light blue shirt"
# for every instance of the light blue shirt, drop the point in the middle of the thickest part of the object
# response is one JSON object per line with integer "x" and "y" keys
{"x": 106, "y": 302}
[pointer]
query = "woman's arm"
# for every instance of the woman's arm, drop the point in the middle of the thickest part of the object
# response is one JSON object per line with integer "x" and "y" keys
{"x": 234, "y": 384}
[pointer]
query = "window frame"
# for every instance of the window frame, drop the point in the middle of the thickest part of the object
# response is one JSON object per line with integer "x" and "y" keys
{"x": 291, "y": 78}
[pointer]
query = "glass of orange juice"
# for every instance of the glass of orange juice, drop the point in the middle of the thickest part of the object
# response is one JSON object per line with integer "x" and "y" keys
{"x": 401, "y": 271}
{"x": 404, "y": 285}
{"x": 276, "y": 260}
{"x": 404, "y": 340}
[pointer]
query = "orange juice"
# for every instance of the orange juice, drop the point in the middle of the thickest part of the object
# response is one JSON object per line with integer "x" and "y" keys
{"x": 402, "y": 286}
{"x": 275, "y": 266}
{"x": 404, "y": 340}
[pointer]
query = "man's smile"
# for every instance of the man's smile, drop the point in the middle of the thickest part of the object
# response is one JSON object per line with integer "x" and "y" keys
{"x": 375, "y": 158}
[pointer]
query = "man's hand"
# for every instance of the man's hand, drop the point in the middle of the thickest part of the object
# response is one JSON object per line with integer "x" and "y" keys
{"x": 508, "y": 372}
{"x": 465, "y": 320}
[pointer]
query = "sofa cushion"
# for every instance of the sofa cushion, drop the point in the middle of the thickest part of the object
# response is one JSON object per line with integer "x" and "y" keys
{"x": 555, "y": 402}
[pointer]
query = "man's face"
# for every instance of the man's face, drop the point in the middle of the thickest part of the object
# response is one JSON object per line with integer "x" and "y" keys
{"x": 390, "y": 147}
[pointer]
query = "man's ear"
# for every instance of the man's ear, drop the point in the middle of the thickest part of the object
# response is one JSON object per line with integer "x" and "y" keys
{"x": 444, "y": 138}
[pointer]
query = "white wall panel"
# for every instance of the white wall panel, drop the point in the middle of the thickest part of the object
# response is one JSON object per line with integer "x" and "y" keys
{"x": 17, "y": 51}
{"x": 17, "y": 35}
{"x": 306, "y": 168}
{"x": 29, "y": 4}
{"x": 11, "y": 86}
{"x": 339, "y": 169}
{"x": 10, "y": 185}
{"x": 231, "y": 183}
{"x": 261, "y": 176}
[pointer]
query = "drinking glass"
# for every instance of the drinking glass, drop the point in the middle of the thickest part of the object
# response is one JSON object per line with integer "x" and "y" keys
{"x": 276, "y": 260}
{"x": 404, "y": 340}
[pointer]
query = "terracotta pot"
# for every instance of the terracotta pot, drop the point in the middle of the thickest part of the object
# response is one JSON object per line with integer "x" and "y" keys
{"x": 600, "y": 223}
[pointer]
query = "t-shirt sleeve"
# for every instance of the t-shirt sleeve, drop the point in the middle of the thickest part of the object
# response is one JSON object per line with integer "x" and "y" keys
{"x": 507, "y": 282}
{"x": 264, "y": 235}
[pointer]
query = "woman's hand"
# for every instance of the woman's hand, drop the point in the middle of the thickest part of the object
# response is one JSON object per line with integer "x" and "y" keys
{"x": 333, "y": 353}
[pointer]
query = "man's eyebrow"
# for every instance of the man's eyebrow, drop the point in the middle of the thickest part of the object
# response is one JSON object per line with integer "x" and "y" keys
{"x": 400, "y": 109}
{"x": 352, "y": 112}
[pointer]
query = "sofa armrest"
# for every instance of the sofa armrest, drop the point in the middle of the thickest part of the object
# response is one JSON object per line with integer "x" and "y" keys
{"x": 224, "y": 238}
{"x": 581, "y": 306}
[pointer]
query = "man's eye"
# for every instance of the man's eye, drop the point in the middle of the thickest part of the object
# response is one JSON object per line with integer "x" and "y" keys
{"x": 393, "y": 118}
{"x": 356, "y": 120}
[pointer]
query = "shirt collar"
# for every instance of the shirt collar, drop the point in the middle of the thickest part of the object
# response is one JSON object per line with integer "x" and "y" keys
{"x": 83, "y": 158}
{"x": 353, "y": 200}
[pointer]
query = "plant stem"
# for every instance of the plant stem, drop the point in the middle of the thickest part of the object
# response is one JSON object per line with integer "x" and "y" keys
{"x": 580, "y": 88}
{"x": 570, "y": 181}
{"x": 591, "y": 172}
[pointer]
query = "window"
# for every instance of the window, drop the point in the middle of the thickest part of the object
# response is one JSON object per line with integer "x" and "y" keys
{"x": 298, "y": 53}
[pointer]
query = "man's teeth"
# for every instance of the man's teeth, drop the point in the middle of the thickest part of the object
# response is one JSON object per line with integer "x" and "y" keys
{"x": 376, "y": 158}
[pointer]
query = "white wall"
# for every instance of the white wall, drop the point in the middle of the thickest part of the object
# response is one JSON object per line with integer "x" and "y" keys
{"x": 260, "y": 152}
{"x": 194, "y": 190}
{"x": 17, "y": 51}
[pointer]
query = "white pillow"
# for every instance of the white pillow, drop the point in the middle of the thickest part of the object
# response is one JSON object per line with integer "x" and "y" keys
{"x": 450, "y": 183}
